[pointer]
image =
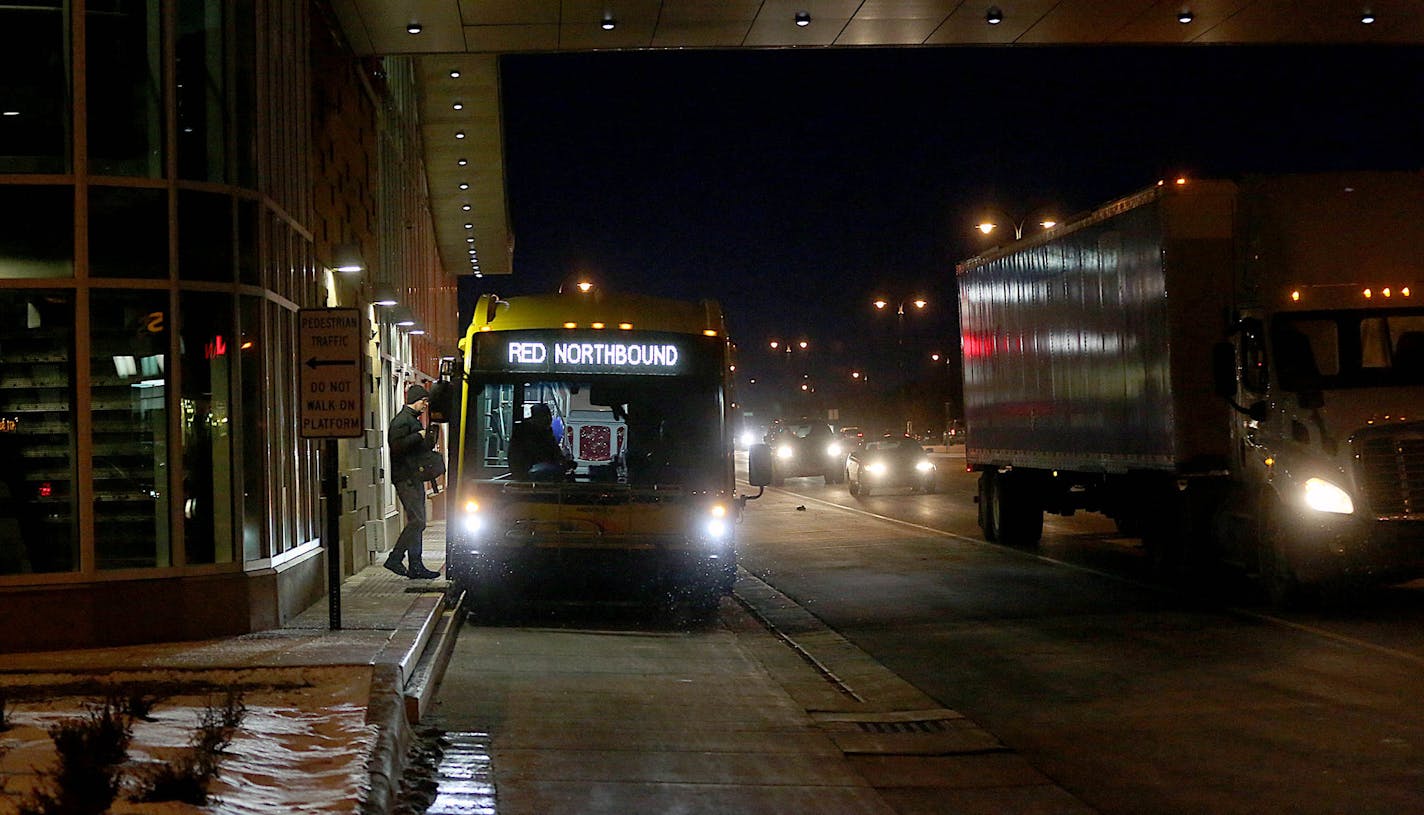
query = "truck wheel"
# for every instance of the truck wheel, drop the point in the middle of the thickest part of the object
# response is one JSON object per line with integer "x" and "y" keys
{"x": 986, "y": 506}
{"x": 1017, "y": 510}
{"x": 854, "y": 488}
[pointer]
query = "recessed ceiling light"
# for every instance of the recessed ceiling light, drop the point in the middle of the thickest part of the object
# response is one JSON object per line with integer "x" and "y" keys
{"x": 469, "y": 240}
{"x": 10, "y": 113}
{"x": 609, "y": 24}
{"x": 469, "y": 226}
{"x": 464, "y": 186}
{"x": 994, "y": 15}
{"x": 458, "y": 106}
{"x": 803, "y": 18}
{"x": 465, "y": 207}
{"x": 462, "y": 162}
{"x": 454, "y": 73}
{"x": 1367, "y": 18}
{"x": 414, "y": 28}
{"x": 459, "y": 134}
{"x": 1185, "y": 16}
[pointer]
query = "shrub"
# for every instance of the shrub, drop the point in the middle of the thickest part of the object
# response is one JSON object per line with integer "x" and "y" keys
{"x": 90, "y": 749}
{"x": 187, "y": 778}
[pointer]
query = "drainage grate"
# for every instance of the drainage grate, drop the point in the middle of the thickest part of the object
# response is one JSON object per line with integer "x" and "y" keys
{"x": 927, "y": 726}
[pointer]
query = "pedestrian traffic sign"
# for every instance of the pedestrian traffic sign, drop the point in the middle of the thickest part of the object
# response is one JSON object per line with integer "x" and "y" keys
{"x": 330, "y": 396}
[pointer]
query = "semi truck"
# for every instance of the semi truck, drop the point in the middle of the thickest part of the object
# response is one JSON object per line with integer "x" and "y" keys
{"x": 1232, "y": 370}
{"x": 635, "y": 394}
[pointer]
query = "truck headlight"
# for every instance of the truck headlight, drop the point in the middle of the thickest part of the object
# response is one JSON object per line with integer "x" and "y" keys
{"x": 1322, "y": 496}
{"x": 785, "y": 451}
{"x": 833, "y": 449}
{"x": 875, "y": 468}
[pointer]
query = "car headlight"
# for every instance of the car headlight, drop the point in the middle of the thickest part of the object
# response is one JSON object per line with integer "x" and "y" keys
{"x": 833, "y": 449}
{"x": 471, "y": 518}
{"x": 924, "y": 466}
{"x": 1322, "y": 496}
{"x": 785, "y": 451}
{"x": 876, "y": 468}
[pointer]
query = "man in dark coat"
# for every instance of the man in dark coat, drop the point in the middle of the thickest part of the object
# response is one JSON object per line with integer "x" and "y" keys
{"x": 409, "y": 441}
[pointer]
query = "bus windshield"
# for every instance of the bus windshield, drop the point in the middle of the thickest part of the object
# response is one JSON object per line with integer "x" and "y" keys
{"x": 637, "y": 430}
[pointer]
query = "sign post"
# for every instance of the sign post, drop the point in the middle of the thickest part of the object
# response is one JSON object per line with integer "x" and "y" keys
{"x": 330, "y": 407}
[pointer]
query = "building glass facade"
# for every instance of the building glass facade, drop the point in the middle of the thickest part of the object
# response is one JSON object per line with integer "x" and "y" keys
{"x": 166, "y": 207}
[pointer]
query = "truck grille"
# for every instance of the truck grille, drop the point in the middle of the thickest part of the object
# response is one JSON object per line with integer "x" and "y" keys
{"x": 1391, "y": 470}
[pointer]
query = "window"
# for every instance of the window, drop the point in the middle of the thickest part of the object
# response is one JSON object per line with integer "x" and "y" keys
{"x": 37, "y": 472}
{"x": 128, "y": 232}
{"x": 125, "y": 102}
{"x": 34, "y": 55}
{"x": 208, "y": 351}
{"x": 129, "y": 386}
{"x": 36, "y": 231}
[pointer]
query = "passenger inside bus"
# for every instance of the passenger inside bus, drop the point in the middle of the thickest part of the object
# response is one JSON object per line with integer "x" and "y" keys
{"x": 534, "y": 455}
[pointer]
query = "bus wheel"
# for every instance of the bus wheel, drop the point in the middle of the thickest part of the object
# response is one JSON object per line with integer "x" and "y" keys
{"x": 1016, "y": 510}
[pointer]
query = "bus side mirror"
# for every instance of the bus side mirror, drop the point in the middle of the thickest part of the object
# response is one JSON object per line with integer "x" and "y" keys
{"x": 759, "y": 465}
{"x": 442, "y": 400}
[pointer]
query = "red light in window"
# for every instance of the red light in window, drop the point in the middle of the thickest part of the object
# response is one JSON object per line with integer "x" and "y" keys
{"x": 216, "y": 348}
{"x": 46, "y": 489}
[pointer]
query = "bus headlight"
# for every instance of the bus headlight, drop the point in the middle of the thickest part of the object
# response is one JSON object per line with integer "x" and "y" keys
{"x": 1322, "y": 496}
{"x": 471, "y": 518}
{"x": 716, "y": 525}
{"x": 785, "y": 451}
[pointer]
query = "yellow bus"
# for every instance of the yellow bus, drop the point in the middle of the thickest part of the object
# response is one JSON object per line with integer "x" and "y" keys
{"x": 642, "y": 505}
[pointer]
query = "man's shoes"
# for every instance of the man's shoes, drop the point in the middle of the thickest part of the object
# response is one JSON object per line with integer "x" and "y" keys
{"x": 422, "y": 573}
{"x": 395, "y": 566}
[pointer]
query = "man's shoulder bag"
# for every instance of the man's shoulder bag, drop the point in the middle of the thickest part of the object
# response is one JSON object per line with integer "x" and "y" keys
{"x": 430, "y": 465}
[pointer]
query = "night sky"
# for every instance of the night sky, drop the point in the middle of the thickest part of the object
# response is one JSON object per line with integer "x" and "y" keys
{"x": 794, "y": 186}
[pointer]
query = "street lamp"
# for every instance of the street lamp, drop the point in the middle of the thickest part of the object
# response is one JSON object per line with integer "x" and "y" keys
{"x": 988, "y": 225}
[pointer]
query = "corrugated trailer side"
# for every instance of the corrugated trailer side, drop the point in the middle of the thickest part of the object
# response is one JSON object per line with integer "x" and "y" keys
{"x": 1089, "y": 349}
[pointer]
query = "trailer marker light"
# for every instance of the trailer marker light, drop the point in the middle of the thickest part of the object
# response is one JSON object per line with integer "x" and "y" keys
{"x": 570, "y": 325}
{"x": 597, "y": 325}
{"x": 625, "y": 326}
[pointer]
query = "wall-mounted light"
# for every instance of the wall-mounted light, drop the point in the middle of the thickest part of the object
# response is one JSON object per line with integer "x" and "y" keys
{"x": 413, "y": 27}
{"x": 994, "y": 15}
{"x": 415, "y": 330}
{"x": 803, "y": 18}
{"x": 1185, "y": 16}
{"x": 403, "y": 317}
{"x": 1367, "y": 18}
{"x": 384, "y": 296}
{"x": 609, "y": 23}
{"x": 347, "y": 258}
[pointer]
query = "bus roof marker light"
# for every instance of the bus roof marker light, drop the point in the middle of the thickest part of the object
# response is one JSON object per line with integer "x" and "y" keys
{"x": 598, "y": 326}
{"x": 710, "y": 332}
{"x": 1386, "y": 291}
{"x": 570, "y": 325}
{"x": 1295, "y": 296}
{"x": 625, "y": 326}
{"x": 1369, "y": 294}
{"x": 1404, "y": 292}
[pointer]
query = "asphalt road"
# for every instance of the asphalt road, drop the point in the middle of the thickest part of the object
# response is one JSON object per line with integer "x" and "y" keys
{"x": 1135, "y": 697}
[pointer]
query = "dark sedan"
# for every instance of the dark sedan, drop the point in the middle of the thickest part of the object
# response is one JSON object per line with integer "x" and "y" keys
{"x": 891, "y": 462}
